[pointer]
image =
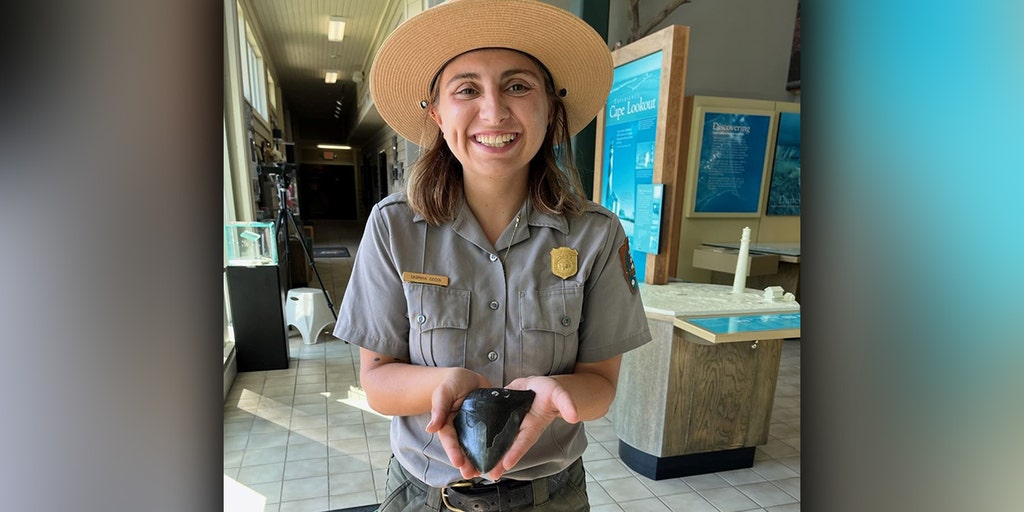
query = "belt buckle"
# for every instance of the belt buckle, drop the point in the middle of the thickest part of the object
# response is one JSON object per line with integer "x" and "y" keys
{"x": 444, "y": 494}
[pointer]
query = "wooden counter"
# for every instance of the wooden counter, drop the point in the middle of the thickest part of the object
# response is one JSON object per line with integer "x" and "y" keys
{"x": 692, "y": 401}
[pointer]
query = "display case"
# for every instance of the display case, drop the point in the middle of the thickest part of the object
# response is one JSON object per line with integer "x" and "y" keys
{"x": 250, "y": 244}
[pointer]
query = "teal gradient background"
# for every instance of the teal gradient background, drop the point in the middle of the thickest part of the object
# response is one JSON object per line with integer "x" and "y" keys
{"x": 912, "y": 273}
{"x": 913, "y": 212}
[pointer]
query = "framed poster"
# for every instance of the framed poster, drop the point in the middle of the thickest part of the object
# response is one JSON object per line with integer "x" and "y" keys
{"x": 638, "y": 135}
{"x": 732, "y": 162}
{"x": 784, "y": 191}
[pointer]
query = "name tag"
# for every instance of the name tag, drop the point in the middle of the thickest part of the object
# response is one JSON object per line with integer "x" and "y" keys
{"x": 416, "y": 277}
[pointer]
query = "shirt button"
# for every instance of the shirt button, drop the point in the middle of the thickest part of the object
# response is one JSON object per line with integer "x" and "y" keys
{"x": 492, "y": 355}
{"x": 494, "y": 304}
{"x": 421, "y": 318}
{"x": 566, "y": 321}
{"x": 494, "y": 257}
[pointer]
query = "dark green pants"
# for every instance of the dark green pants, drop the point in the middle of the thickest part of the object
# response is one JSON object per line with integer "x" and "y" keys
{"x": 407, "y": 494}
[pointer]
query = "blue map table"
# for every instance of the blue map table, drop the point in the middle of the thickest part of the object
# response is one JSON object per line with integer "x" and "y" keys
{"x": 698, "y": 398}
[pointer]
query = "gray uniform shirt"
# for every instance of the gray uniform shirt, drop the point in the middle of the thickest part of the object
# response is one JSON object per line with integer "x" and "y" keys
{"x": 502, "y": 319}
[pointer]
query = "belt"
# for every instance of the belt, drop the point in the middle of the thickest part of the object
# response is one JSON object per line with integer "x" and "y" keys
{"x": 501, "y": 495}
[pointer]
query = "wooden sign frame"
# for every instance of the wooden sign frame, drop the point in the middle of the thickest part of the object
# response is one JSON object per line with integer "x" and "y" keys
{"x": 668, "y": 168}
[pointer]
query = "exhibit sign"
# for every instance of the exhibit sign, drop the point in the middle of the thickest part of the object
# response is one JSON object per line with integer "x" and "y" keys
{"x": 784, "y": 191}
{"x": 647, "y": 228}
{"x": 731, "y": 167}
{"x": 637, "y": 158}
{"x": 631, "y": 122}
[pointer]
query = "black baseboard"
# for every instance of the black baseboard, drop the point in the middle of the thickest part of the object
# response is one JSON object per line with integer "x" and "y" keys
{"x": 660, "y": 468}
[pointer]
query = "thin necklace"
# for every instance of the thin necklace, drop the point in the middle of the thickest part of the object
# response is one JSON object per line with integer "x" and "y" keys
{"x": 511, "y": 238}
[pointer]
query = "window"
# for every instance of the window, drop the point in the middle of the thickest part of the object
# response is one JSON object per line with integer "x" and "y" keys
{"x": 254, "y": 83}
{"x": 271, "y": 91}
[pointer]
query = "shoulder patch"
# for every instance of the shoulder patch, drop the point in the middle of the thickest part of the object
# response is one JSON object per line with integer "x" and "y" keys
{"x": 628, "y": 268}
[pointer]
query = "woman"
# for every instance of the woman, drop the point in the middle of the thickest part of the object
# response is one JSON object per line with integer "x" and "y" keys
{"x": 492, "y": 270}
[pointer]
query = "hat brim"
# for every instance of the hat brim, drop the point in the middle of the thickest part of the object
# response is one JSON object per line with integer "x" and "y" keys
{"x": 576, "y": 56}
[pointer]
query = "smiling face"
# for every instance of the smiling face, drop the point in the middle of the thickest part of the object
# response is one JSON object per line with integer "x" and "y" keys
{"x": 493, "y": 110}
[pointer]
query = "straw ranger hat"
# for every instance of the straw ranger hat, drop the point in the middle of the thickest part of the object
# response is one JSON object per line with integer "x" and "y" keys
{"x": 576, "y": 56}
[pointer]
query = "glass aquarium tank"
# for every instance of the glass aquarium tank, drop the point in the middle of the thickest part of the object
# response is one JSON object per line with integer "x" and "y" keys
{"x": 250, "y": 244}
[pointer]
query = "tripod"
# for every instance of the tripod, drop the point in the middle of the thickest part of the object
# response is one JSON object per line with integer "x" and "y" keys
{"x": 284, "y": 216}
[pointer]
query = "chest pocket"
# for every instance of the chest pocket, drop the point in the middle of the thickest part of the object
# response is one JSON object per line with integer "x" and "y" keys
{"x": 438, "y": 324}
{"x": 550, "y": 325}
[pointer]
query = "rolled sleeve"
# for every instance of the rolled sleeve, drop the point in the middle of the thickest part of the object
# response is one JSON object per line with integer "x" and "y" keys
{"x": 373, "y": 312}
{"x": 614, "y": 318}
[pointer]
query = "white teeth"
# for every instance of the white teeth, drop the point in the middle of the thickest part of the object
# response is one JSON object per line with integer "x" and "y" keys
{"x": 495, "y": 141}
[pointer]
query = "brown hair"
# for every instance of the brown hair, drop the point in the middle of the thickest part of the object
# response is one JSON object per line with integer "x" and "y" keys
{"x": 434, "y": 188}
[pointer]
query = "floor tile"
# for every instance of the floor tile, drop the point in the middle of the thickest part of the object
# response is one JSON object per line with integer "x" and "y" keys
{"x": 766, "y": 494}
{"x": 597, "y": 495}
{"x": 268, "y": 440}
{"x": 261, "y": 474}
{"x": 792, "y": 462}
{"x": 309, "y": 505}
{"x": 729, "y": 499}
{"x": 688, "y": 502}
{"x": 607, "y": 469}
{"x": 350, "y": 463}
{"x": 626, "y": 489}
{"x": 259, "y": 456}
{"x": 308, "y": 435}
{"x": 595, "y": 452}
{"x": 354, "y": 499}
{"x": 706, "y": 481}
{"x": 774, "y": 470}
{"x": 305, "y": 468}
{"x": 790, "y": 485}
{"x": 665, "y": 487}
{"x": 304, "y": 489}
{"x": 647, "y": 505}
{"x": 351, "y": 482}
{"x": 306, "y": 451}
{"x": 608, "y": 507}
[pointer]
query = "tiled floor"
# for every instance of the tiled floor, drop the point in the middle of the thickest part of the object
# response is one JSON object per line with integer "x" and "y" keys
{"x": 301, "y": 439}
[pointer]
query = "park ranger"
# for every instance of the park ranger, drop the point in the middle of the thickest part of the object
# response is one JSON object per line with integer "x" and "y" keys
{"x": 491, "y": 269}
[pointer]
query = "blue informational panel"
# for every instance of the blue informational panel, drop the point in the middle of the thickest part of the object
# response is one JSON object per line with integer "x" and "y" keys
{"x": 784, "y": 194}
{"x": 748, "y": 323}
{"x": 631, "y": 122}
{"x": 649, "y": 202}
{"x": 744, "y": 327}
{"x": 732, "y": 163}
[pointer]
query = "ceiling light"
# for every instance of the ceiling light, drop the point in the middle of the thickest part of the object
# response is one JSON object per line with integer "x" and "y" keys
{"x": 336, "y": 28}
{"x": 331, "y": 77}
{"x": 332, "y": 146}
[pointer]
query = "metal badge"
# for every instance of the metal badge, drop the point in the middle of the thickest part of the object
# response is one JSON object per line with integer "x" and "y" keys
{"x": 563, "y": 262}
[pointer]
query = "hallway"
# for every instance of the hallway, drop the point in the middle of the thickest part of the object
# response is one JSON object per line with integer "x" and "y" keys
{"x": 302, "y": 439}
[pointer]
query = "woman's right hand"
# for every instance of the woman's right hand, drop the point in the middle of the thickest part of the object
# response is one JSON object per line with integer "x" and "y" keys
{"x": 444, "y": 404}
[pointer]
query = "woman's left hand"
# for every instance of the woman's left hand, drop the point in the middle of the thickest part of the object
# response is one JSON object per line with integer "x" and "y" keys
{"x": 552, "y": 401}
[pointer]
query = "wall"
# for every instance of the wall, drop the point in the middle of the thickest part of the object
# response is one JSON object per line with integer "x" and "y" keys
{"x": 738, "y": 48}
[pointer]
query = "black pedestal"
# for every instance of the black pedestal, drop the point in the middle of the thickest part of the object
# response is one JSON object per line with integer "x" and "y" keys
{"x": 660, "y": 468}
{"x": 257, "y": 314}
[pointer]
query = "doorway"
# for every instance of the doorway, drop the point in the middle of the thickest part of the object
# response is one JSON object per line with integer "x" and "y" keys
{"x": 327, "y": 192}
